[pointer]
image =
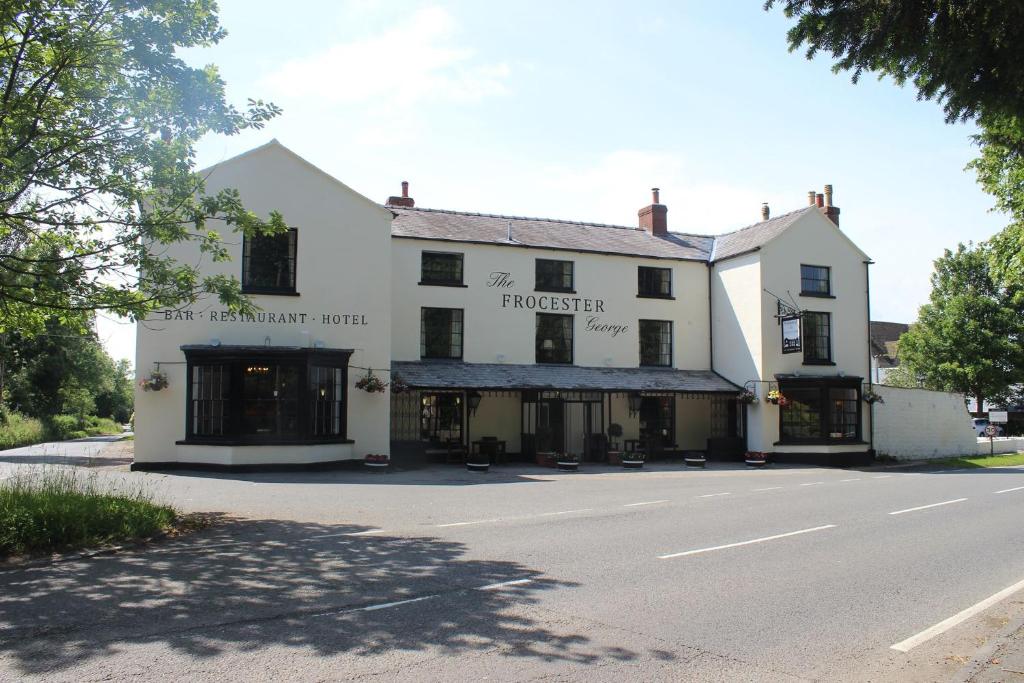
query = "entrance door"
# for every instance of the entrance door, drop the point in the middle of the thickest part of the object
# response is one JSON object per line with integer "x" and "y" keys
{"x": 657, "y": 424}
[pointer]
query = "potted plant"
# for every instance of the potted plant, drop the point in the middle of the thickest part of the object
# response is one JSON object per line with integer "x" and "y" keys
{"x": 694, "y": 459}
{"x": 154, "y": 381}
{"x": 371, "y": 383}
{"x": 870, "y": 397}
{"x": 568, "y": 461}
{"x": 774, "y": 397}
{"x": 398, "y": 384}
{"x": 747, "y": 397}
{"x": 546, "y": 458}
{"x": 377, "y": 461}
{"x": 478, "y": 462}
{"x": 756, "y": 458}
{"x": 634, "y": 460}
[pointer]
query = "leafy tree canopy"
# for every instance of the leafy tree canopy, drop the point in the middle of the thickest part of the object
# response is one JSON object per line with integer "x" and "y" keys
{"x": 98, "y": 123}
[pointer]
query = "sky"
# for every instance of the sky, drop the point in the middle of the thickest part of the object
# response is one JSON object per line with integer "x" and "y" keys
{"x": 574, "y": 110}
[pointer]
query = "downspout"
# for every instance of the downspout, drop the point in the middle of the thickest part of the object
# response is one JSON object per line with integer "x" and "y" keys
{"x": 871, "y": 406}
{"x": 711, "y": 325}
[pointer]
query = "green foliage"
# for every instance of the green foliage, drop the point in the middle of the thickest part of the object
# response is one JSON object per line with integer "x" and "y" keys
{"x": 59, "y": 509}
{"x": 63, "y": 427}
{"x": 969, "y": 337}
{"x": 99, "y": 119}
{"x": 902, "y": 376}
{"x": 16, "y": 430}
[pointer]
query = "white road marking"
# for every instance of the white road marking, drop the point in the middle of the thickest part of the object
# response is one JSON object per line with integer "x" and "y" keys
{"x": 496, "y": 586}
{"x": 479, "y": 521}
{"x": 366, "y": 533}
{"x": 912, "y": 474}
{"x": 925, "y": 507}
{"x": 770, "y": 488}
{"x": 713, "y": 495}
{"x": 1018, "y": 488}
{"x": 563, "y": 512}
{"x": 854, "y": 479}
{"x": 946, "y": 624}
{"x": 385, "y": 605}
{"x": 812, "y": 483}
{"x": 756, "y": 540}
{"x": 882, "y": 476}
{"x": 646, "y": 502}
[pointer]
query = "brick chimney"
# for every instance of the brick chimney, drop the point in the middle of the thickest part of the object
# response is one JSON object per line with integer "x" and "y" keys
{"x": 405, "y": 200}
{"x": 825, "y": 204}
{"x": 765, "y": 211}
{"x": 654, "y": 218}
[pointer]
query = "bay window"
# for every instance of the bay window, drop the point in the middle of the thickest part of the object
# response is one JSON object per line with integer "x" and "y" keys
{"x": 820, "y": 410}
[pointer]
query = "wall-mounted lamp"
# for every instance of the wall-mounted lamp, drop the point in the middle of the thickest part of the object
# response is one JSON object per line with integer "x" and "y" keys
{"x": 635, "y": 399}
{"x": 474, "y": 401}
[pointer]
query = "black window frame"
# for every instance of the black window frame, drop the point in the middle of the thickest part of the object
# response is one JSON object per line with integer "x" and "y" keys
{"x": 235, "y": 360}
{"x": 451, "y": 333}
{"x": 292, "y": 258}
{"x": 543, "y": 356}
{"x": 806, "y": 333}
{"x": 661, "y": 355}
{"x": 540, "y": 286}
{"x": 816, "y": 292}
{"x": 643, "y": 289}
{"x": 426, "y": 280}
{"x": 822, "y": 388}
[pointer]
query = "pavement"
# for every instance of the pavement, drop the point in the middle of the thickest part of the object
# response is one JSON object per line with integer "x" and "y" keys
{"x": 787, "y": 573}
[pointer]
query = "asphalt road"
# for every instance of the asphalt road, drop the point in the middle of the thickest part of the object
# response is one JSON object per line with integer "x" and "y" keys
{"x": 89, "y": 452}
{"x": 724, "y": 574}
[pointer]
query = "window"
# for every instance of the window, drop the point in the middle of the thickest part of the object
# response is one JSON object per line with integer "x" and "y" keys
{"x": 242, "y": 395}
{"x": 815, "y": 281}
{"x": 654, "y": 282}
{"x": 554, "y": 338}
{"x": 441, "y": 269}
{"x": 441, "y": 418}
{"x": 440, "y": 333}
{"x": 554, "y": 276}
{"x": 656, "y": 342}
{"x": 820, "y": 411}
{"x": 817, "y": 337}
{"x": 268, "y": 263}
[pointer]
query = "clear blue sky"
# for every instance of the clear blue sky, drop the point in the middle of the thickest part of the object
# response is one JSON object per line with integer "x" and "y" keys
{"x": 576, "y": 109}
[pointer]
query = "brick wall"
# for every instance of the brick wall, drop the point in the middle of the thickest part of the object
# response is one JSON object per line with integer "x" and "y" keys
{"x": 916, "y": 424}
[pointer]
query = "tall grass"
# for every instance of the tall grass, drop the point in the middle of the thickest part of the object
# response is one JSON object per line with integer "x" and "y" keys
{"x": 16, "y": 430}
{"x": 58, "y": 509}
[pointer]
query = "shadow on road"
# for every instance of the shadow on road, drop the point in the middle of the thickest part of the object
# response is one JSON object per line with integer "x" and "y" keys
{"x": 244, "y": 586}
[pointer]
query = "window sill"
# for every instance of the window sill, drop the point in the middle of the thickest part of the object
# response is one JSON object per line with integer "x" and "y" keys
{"x": 821, "y": 442}
{"x": 819, "y": 362}
{"x": 655, "y": 365}
{"x": 195, "y": 441}
{"x": 667, "y": 297}
{"x": 552, "y": 362}
{"x": 270, "y": 292}
{"x": 818, "y": 295}
{"x": 441, "y": 358}
{"x": 440, "y": 284}
{"x": 554, "y": 291}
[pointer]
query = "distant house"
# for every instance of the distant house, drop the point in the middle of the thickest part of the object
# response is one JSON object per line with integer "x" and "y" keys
{"x": 884, "y": 344}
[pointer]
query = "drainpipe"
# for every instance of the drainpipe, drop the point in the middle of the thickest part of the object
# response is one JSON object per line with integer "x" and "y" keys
{"x": 871, "y": 406}
{"x": 711, "y": 324}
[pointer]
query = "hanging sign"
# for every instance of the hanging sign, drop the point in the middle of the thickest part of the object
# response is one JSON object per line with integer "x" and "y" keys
{"x": 791, "y": 334}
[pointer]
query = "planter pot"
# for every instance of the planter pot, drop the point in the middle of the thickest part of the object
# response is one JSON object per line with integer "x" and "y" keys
{"x": 754, "y": 462}
{"x": 614, "y": 457}
{"x": 546, "y": 459}
{"x": 478, "y": 466}
{"x": 376, "y": 465}
{"x": 632, "y": 464}
{"x": 569, "y": 466}
{"x": 695, "y": 461}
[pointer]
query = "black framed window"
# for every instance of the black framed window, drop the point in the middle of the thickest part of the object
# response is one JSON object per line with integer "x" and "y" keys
{"x": 815, "y": 280}
{"x": 656, "y": 342}
{"x": 438, "y": 268}
{"x": 820, "y": 410}
{"x": 441, "y": 417}
{"x": 253, "y": 395}
{"x": 268, "y": 263}
{"x": 654, "y": 282}
{"x": 441, "y": 333}
{"x": 554, "y": 338}
{"x": 816, "y": 329}
{"x": 554, "y": 276}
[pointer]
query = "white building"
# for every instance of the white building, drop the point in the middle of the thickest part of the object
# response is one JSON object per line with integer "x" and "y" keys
{"x": 534, "y": 334}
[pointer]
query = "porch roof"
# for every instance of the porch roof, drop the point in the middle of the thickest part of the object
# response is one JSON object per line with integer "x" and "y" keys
{"x": 505, "y": 377}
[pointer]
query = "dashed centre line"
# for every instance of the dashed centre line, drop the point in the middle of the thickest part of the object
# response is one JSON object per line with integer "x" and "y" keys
{"x": 769, "y": 488}
{"x": 812, "y": 483}
{"x": 741, "y": 543}
{"x": 479, "y": 521}
{"x": 1016, "y": 488}
{"x": 854, "y": 479}
{"x": 882, "y": 476}
{"x": 925, "y": 507}
{"x": 646, "y": 502}
{"x": 715, "y": 495}
{"x": 564, "y": 512}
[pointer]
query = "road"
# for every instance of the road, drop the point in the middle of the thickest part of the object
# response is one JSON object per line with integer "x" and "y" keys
{"x": 93, "y": 451}
{"x": 438, "y": 574}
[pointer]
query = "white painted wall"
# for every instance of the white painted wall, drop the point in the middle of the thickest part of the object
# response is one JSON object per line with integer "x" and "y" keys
{"x": 1008, "y": 444}
{"x": 916, "y": 424}
{"x": 340, "y": 232}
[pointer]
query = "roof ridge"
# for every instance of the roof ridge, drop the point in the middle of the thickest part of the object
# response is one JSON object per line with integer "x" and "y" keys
{"x": 760, "y": 223}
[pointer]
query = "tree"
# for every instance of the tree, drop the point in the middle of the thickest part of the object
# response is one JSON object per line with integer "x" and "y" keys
{"x": 98, "y": 124}
{"x": 970, "y": 336}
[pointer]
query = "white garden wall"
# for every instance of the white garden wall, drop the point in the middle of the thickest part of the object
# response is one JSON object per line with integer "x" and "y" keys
{"x": 916, "y": 424}
{"x": 1009, "y": 444}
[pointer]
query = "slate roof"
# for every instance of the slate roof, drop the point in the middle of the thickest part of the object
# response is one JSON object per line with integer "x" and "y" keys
{"x": 885, "y": 338}
{"x": 503, "y": 377}
{"x": 456, "y": 226}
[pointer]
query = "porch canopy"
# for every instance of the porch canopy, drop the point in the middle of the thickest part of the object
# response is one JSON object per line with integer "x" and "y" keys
{"x": 503, "y": 377}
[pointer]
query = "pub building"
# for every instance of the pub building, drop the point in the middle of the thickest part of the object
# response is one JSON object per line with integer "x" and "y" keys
{"x": 426, "y": 334}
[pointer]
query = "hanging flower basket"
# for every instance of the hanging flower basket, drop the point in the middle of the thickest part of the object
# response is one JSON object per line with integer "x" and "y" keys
{"x": 775, "y": 397}
{"x": 398, "y": 385}
{"x": 747, "y": 397}
{"x": 371, "y": 383}
{"x": 155, "y": 381}
{"x": 870, "y": 397}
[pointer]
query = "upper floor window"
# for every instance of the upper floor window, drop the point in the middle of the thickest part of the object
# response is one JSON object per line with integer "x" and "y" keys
{"x": 654, "y": 282}
{"x": 441, "y": 333}
{"x": 439, "y": 268}
{"x": 554, "y": 276}
{"x": 268, "y": 263}
{"x": 817, "y": 337}
{"x": 815, "y": 280}
{"x": 656, "y": 342}
{"x": 554, "y": 338}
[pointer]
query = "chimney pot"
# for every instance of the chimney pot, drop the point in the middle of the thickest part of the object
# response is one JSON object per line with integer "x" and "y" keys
{"x": 655, "y": 192}
{"x": 405, "y": 188}
{"x": 810, "y": 198}
{"x": 828, "y": 195}
{"x": 405, "y": 200}
{"x": 820, "y": 200}
{"x": 765, "y": 211}
{"x": 654, "y": 218}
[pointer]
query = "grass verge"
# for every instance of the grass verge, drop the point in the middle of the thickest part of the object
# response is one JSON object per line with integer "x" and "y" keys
{"x": 1005, "y": 460}
{"x": 55, "y": 509}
